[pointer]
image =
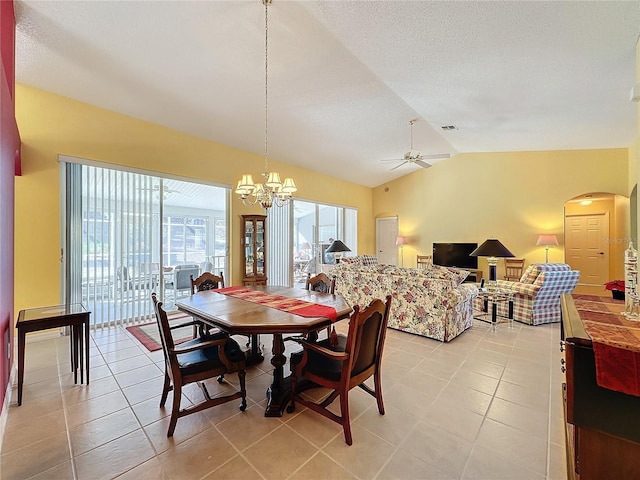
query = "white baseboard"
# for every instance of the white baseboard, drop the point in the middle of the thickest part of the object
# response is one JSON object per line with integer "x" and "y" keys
{"x": 5, "y": 405}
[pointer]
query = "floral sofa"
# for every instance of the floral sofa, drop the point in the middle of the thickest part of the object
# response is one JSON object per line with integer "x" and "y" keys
{"x": 431, "y": 302}
{"x": 536, "y": 297}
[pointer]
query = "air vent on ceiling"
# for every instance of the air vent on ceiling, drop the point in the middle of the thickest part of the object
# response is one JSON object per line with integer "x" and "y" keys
{"x": 449, "y": 127}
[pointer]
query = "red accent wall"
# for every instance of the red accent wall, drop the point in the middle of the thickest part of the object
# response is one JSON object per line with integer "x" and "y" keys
{"x": 9, "y": 166}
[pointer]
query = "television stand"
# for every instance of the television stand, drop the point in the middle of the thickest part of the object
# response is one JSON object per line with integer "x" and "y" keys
{"x": 473, "y": 272}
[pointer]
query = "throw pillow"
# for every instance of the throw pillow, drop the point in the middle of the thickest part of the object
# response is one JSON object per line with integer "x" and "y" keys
{"x": 530, "y": 274}
{"x": 369, "y": 260}
{"x": 458, "y": 274}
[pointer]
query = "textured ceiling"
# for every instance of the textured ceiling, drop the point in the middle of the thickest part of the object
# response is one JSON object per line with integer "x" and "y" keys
{"x": 345, "y": 77}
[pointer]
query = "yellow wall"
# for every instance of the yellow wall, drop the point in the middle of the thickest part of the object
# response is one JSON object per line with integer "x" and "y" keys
{"x": 51, "y": 125}
{"x": 471, "y": 197}
{"x": 511, "y": 196}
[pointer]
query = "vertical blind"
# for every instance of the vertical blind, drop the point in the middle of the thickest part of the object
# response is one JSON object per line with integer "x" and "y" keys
{"x": 280, "y": 245}
{"x": 124, "y": 232}
{"x": 109, "y": 217}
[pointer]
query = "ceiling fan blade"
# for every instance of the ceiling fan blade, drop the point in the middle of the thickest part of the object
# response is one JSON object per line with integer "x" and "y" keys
{"x": 398, "y": 166}
{"x": 423, "y": 164}
{"x": 435, "y": 156}
{"x": 392, "y": 160}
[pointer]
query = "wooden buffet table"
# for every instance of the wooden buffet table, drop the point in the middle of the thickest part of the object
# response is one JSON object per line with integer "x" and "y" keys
{"x": 237, "y": 316}
{"x": 602, "y": 425}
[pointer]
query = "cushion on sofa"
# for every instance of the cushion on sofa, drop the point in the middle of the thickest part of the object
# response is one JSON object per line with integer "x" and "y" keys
{"x": 530, "y": 274}
{"x": 458, "y": 274}
{"x": 366, "y": 260}
{"x": 533, "y": 271}
{"x": 369, "y": 260}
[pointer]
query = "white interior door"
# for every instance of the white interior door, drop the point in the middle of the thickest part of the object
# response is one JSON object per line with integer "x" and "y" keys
{"x": 386, "y": 235}
{"x": 585, "y": 247}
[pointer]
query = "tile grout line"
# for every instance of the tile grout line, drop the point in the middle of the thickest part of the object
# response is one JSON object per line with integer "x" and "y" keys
{"x": 74, "y": 470}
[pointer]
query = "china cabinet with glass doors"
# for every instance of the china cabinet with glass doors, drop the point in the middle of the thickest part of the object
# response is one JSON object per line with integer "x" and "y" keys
{"x": 254, "y": 249}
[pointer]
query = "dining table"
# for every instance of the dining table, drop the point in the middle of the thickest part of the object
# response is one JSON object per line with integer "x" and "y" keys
{"x": 238, "y": 315}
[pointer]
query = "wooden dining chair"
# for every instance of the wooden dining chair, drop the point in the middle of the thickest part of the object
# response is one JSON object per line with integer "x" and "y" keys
{"x": 355, "y": 358}
{"x": 424, "y": 261}
{"x": 206, "y": 281}
{"x": 513, "y": 268}
{"x": 322, "y": 283}
{"x": 195, "y": 361}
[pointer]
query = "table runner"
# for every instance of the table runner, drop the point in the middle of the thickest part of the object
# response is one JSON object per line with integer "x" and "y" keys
{"x": 280, "y": 302}
{"x": 616, "y": 342}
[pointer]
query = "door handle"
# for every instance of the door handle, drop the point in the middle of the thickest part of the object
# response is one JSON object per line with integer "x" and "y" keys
{"x": 600, "y": 253}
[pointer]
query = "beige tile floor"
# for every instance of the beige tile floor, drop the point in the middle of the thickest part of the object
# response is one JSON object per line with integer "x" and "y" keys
{"x": 486, "y": 406}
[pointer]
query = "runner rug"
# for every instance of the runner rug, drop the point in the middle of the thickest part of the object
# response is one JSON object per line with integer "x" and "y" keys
{"x": 279, "y": 302}
{"x": 616, "y": 342}
{"x": 149, "y": 336}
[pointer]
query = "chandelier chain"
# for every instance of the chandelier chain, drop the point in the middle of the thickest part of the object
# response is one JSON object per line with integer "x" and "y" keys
{"x": 272, "y": 190}
{"x": 266, "y": 87}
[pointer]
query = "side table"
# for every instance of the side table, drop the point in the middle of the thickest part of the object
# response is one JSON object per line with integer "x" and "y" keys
{"x": 493, "y": 298}
{"x": 43, "y": 318}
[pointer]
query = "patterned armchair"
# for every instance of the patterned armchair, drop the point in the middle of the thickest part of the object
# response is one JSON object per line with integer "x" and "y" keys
{"x": 536, "y": 298}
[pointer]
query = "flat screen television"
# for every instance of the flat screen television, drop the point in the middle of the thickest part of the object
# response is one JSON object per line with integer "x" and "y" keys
{"x": 455, "y": 255}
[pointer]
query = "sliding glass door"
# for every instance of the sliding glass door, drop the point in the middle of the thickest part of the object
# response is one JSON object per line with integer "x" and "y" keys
{"x": 125, "y": 234}
{"x": 315, "y": 227}
{"x": 298, "y": 235}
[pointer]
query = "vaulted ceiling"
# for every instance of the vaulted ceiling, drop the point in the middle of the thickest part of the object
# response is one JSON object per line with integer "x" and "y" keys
{"x": 345, "y": 77}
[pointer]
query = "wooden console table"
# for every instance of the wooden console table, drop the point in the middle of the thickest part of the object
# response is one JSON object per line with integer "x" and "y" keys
{"x": 45, "y": 318}
{"x": 602, "y": 425}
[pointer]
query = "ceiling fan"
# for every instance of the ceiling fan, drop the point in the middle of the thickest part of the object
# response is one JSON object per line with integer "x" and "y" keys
{"x": 415, "y": 156}
{"x": 165, "y": 190}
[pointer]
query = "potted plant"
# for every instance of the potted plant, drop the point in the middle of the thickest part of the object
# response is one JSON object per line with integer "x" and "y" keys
{"x": 617, "y": 288}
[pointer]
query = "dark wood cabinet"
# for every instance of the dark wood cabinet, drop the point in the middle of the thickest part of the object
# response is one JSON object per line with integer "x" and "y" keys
{"x": 602, "y": 425}
{"x": 254, "y": 249}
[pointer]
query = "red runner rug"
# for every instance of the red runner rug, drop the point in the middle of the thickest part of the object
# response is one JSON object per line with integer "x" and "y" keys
{"x": 279, "y": 302}
{"x": 616, "y": 342}
{"x": 149, "y": 336}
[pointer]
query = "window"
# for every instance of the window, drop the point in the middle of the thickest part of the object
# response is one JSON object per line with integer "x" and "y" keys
{"x": 184, "y": 240}
{"x": 296, "y": 234}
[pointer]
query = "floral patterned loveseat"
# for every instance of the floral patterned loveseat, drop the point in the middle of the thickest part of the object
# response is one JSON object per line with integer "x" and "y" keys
{"x": 431, "y": 302}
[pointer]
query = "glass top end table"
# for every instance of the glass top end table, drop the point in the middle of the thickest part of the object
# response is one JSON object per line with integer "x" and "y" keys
{"x": 73, "y": 315}
{"x": 493, "y": 298}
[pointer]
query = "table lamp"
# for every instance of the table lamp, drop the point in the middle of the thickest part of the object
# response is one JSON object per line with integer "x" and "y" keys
{"x": 547, "y": 241}
{"x": 492, "y": 249}
{"x": 337, "y": 247}
{"x": 401, "y": 242}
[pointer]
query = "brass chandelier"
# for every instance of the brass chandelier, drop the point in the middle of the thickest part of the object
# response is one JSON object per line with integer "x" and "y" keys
{"x": 272, "y": 190}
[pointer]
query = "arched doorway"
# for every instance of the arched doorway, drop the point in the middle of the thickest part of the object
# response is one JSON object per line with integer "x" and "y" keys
{"x": 596, "y": 228}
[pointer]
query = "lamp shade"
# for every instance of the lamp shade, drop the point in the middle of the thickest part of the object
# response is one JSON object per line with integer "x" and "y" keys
{"x": 337, "y": 246}
{"x": 491, "y": 248}
{"x": 401, "y": 241}
{"x": 547, "y": 240}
